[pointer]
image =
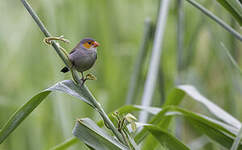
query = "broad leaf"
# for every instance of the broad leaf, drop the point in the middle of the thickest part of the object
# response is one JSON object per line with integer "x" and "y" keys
{"x": 66, "y": 86}
{"x": 88, "y": 132}
{"x": 222, "y": 133}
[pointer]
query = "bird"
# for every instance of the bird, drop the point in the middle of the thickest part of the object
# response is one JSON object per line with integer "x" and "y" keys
{"x": 83, "y": 56}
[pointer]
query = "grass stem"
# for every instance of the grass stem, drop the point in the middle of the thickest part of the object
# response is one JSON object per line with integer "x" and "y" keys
{"x": 155, "y": 59}
{"x": 138, "y": 64}
{"x": 75, "y": 73}
{"x": 216, "y": 19}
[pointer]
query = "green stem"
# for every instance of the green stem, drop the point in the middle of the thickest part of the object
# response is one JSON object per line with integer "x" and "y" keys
{"x": 126, "y": 139}
{"x": 216, "y": 19}
{"x": 155, "y": 59}
{"x": 233, "y": 61}
{"x": 75, "y": 73}
{"x": 180, "y": 36}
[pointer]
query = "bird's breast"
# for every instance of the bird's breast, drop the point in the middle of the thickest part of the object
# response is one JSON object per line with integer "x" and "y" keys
{"x": 83, "y": 60}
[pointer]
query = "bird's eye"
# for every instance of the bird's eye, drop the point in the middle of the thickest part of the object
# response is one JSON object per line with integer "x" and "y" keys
{"x": 89, "y": 43}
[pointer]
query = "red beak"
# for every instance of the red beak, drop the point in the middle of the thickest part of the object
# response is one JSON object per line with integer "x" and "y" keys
{"x": 96, "y": 44}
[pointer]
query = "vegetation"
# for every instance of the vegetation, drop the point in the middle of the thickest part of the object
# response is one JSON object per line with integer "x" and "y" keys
{"x": 157, "y": 61}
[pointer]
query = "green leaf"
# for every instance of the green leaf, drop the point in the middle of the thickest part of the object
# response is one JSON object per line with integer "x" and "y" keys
{"x": 92, "y": 135}
{"x": 66, "y": 144}
{"x": 177, "y": 94}
{"x": 66, "y": 86}
{"x": 69, "y": 87}
{"x": 233, "y": 61}
{"x": 214, "y": 134}
{"x": 213, "y": 108}
{"x": 166, "y": 139}
{"x": 237, "y": 140}
{"x": 218, "y": 131}
{"x": 234, "y": 7}
{"x": 175, "y": 98}
{"x": 21, "y": 114}
{"x": 170, "y": 111}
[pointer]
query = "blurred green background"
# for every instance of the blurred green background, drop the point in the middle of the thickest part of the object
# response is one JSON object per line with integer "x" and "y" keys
{"x": 28, "y": 65}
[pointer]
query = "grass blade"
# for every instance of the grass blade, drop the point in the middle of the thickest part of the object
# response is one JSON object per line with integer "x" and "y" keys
{"x": 220, "y": 132}
{"x": 237, "y": 140}
{"x": 213, "y": 108}
{"x": 21, "y": 114}
{"x": 235, "y": 64}
{"x": 67, "y": 86}
{"x": 175, "y": 98}
{"x": 234, "y": 7}
{"x": 216, "y": 19}
{"x": 66, "y": 144}
{"x": 166, "y": 139}
{"x": 87, "y": 131}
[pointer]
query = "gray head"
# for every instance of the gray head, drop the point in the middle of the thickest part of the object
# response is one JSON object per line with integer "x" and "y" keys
{"x": 89, "y": 44}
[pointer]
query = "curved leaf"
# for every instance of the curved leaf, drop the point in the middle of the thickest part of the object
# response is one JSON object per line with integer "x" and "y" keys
{"x": 21, "y": 114}
{"x": 177, "y": 94}
{"x": 166, "y": 139}
{"x": 92, "y": 135}
{"x": 213, "y": 108}
{"x": 67, "y": 86}
{"x": 218, "y": 131}
{"x": 66, "y": 144}
{"x": 234, "y": 7}
{"x": 224, "y": 133}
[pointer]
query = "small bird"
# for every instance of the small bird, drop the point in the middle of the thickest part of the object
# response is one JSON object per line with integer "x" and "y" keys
{"x": 83, "y": 56}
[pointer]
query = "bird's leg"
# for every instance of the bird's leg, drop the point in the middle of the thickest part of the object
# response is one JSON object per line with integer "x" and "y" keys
{"x": 89, "y": 76}
{"x": 83, "y": 78}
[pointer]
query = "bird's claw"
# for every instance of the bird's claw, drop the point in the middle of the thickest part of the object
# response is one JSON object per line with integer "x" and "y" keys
{"x": 49, "y": 40}
{"x": 89, "y": 76}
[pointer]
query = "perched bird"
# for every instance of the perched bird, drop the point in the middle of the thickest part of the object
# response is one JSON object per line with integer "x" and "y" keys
{"x": 83, "y": 56}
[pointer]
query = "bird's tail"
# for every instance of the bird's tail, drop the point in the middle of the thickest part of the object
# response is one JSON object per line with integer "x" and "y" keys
{"x": 64, "y": 70}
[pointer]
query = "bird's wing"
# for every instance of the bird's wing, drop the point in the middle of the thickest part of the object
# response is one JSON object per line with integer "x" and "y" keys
{"x": 72, "y": 51}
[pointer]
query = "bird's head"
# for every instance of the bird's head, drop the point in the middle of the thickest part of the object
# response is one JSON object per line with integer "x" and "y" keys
{"x": 89, "y": 44}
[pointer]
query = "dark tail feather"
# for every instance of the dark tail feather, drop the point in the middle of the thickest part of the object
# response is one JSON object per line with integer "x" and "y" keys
{"x": 64, "y": 70}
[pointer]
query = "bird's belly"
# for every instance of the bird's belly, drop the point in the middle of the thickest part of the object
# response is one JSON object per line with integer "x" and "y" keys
{"x": 83, "y": 63}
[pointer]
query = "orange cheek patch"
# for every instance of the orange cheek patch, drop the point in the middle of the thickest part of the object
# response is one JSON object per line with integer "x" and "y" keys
{"x": 86, "y": 45}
